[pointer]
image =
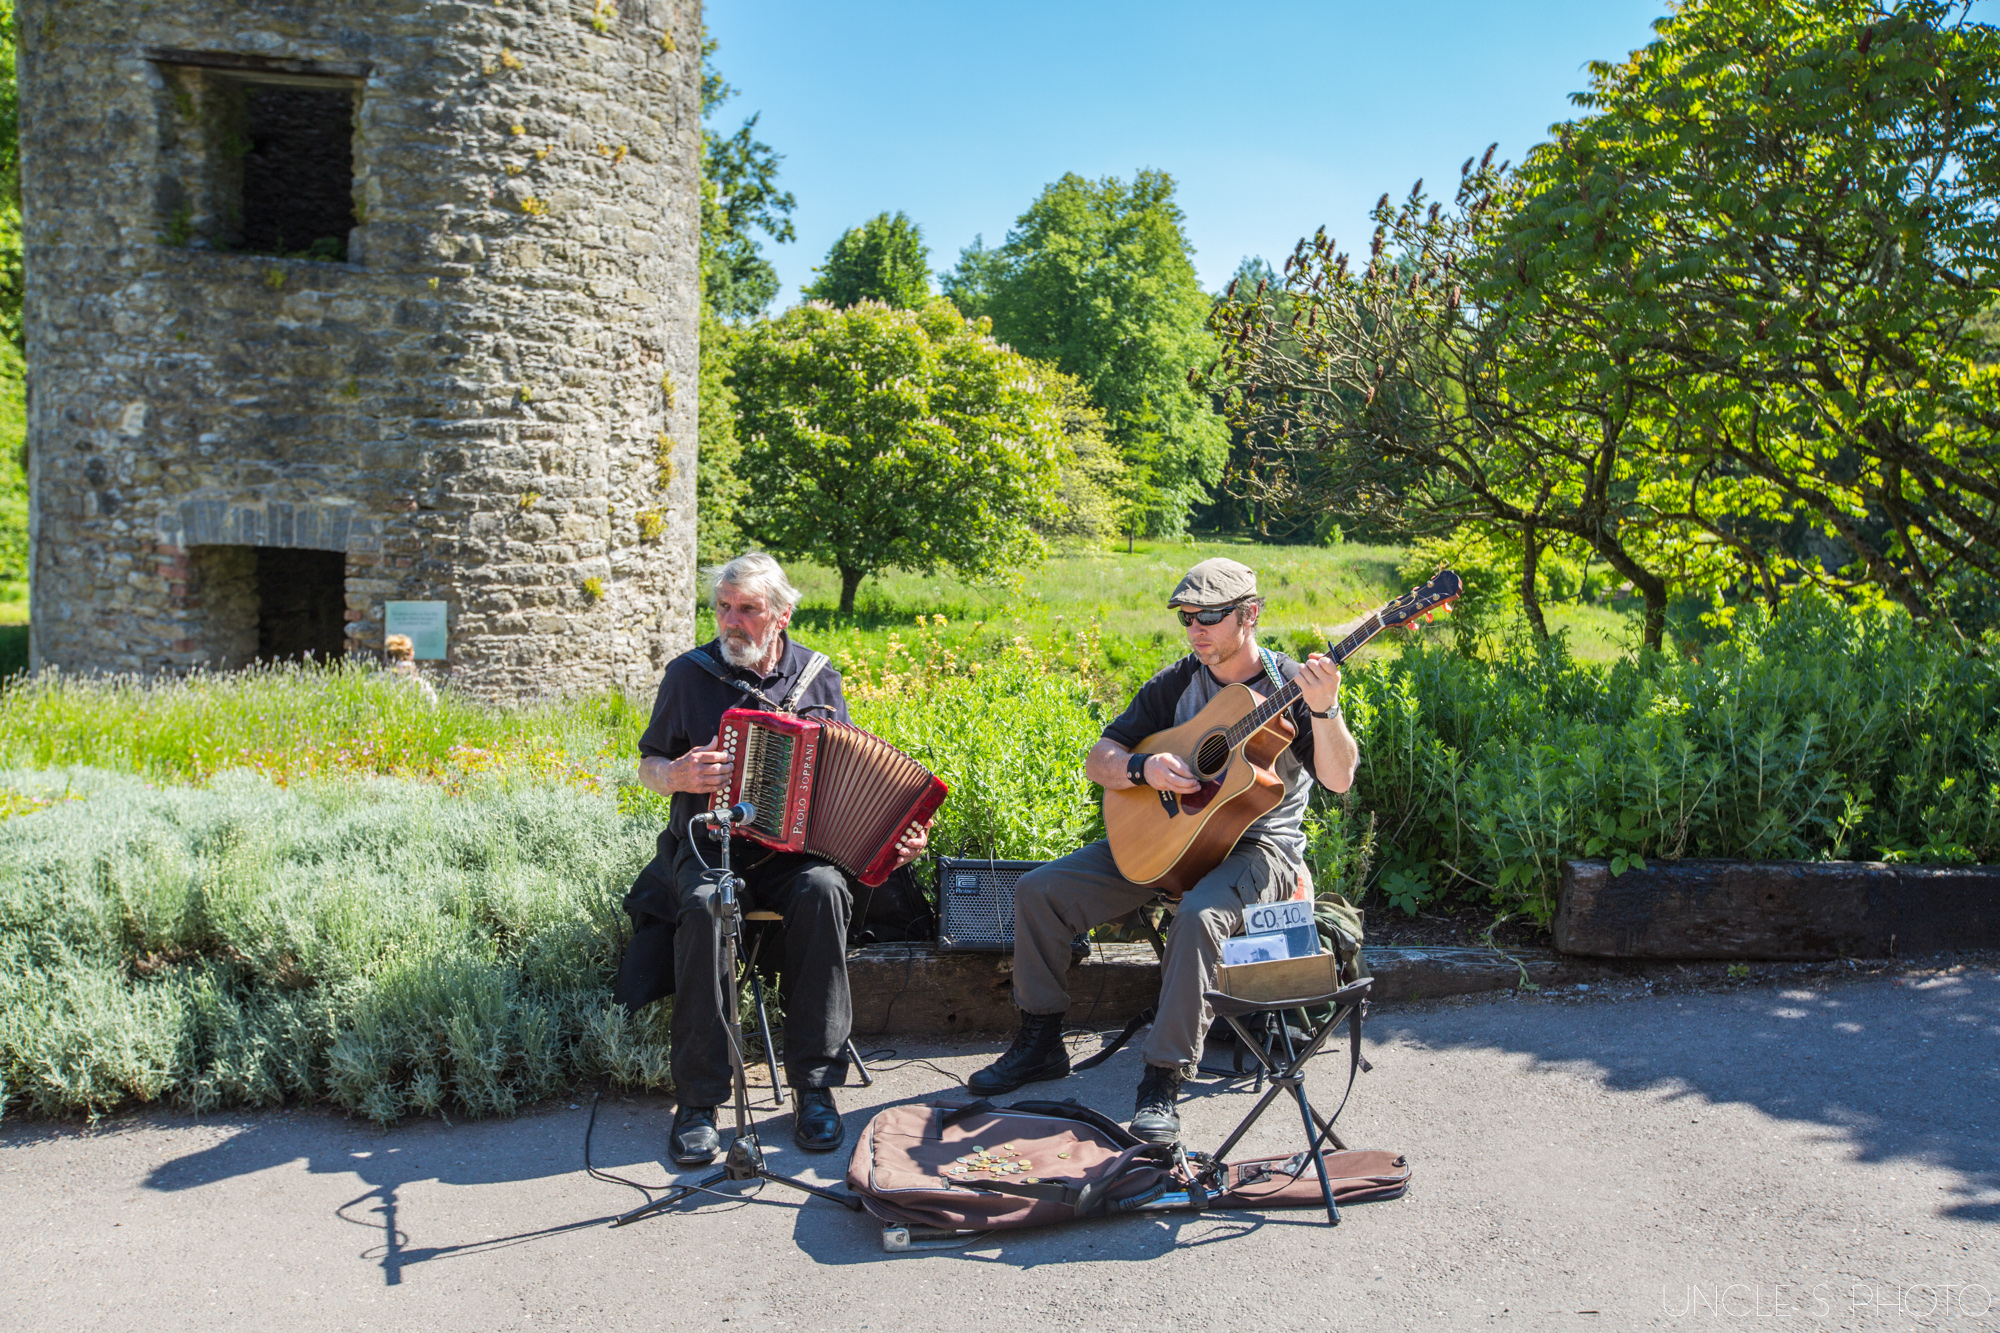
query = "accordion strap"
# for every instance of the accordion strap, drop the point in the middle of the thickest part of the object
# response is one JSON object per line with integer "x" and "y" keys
{"x": 814, "y": 665}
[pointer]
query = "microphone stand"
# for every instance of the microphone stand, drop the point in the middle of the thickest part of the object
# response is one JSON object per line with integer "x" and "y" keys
{"x": 745, "y": 1160}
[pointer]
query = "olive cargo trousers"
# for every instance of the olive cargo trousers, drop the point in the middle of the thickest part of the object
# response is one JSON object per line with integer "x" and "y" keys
{"x": 1056, "y": 902}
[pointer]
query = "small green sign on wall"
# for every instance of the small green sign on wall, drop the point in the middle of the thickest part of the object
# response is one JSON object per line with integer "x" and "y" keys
{"x": 423, "y": 622}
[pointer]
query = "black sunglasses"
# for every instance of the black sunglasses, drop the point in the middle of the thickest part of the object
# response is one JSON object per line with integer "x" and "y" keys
{"x": 1213, "y": 615}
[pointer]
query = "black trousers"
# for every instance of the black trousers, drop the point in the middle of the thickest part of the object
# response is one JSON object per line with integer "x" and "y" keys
{"x": 812, "y": 897}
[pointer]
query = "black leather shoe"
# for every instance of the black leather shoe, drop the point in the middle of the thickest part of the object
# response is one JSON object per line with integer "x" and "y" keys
{"x": 1038, "y": 1053}
{"x": 694, "y": 1141}
{"x": 816, "y": 1123}
{"x": 1154, "y": 1118}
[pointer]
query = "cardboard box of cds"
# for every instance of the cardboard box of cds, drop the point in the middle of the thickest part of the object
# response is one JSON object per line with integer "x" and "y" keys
{"x": 1279, "y": 959}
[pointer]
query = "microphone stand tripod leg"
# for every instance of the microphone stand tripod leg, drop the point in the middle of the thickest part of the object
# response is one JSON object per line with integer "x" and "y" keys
{"x": 746, "y": 1156}
{"x": 672, "y": 1197}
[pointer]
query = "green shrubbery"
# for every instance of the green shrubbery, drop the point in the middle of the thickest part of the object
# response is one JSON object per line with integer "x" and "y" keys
{"x": 1822, "y": 734}
{"x": 384, "y": 945}
{"x": 330, "y": 891}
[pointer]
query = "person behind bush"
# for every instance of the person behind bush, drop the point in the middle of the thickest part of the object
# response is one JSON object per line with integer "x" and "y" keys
{"x": 401, "y": 662}
{"x": 1218, "y": 605}
{"x": 752, "y": 662}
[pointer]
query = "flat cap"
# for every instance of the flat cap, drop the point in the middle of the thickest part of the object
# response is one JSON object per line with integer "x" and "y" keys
{"x": 1216, "y": 582}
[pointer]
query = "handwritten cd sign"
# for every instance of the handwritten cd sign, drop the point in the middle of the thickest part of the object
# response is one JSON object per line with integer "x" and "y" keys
{"x": 1293, "y": 920}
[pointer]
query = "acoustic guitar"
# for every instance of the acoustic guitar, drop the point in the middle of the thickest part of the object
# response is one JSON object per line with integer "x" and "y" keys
{"x": 1232, "y": 745}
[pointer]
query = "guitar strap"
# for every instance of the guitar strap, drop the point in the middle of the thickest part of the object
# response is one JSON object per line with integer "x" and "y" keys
{"x": 1271, "y": 671}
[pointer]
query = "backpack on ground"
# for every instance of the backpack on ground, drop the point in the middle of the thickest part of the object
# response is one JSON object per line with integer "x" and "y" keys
{"x": 1037, "y": 1163}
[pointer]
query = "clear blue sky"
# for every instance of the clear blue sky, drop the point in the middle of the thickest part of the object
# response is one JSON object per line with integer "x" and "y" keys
{"x": 1274, "y": 116}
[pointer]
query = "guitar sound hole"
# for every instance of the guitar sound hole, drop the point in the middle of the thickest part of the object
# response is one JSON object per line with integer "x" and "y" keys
{"x": 1212, "y": 756}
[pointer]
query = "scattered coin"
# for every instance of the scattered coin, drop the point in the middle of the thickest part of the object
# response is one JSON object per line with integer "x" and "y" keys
{"x": 1062, "y": 1154}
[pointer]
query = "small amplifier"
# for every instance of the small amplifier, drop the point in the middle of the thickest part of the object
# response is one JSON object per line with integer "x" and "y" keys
{"x": 976, "y": 902}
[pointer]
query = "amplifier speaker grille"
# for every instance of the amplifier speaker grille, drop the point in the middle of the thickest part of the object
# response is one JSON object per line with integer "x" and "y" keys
{"x": 976, "y": 902}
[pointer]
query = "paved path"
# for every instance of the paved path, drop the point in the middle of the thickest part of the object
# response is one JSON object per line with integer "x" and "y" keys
{"x": 1760, "y": 1158}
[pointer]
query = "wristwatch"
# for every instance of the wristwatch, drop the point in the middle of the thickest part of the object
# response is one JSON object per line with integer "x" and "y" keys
{"x": 1328, "y": 715}
{"x": 1135, "y": 770}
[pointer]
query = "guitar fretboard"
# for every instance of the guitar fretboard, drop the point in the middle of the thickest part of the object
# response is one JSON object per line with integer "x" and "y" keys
{"x": 1248, "y": 725}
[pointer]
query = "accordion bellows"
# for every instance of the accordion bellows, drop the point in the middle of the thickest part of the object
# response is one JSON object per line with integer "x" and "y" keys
{"x": 827, "y": 788}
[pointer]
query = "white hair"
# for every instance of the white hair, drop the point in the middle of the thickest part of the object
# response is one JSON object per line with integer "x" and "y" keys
{"x": 753, "y": 571}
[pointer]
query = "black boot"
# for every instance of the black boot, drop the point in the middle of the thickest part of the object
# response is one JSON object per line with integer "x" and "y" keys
{"x": 816, "y": 1125}
{"x": 1153, "y": 1116}
{"x": 1038, "y": 1053}
{"x": 694, "y": 1141}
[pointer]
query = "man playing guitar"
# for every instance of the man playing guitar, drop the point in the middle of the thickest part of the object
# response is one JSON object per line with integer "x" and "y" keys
{"x": 1218, "y": 604}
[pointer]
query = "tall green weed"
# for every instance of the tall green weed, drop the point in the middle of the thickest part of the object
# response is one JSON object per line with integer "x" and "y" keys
{"x": 1818, "y": 734}
{"x": 1007, "y": 734}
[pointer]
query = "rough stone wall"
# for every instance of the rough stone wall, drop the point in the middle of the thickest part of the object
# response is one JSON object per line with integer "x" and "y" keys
{"x": 490, "y": 404}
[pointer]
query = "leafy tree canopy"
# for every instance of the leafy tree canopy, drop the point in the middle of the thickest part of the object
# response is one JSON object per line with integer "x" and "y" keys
{"x": 1724, "y": 326}
{"x": 740, "y": 197}
{"x": 884, "y": 259}
{"x": 1096, "y": 278}
{"x": 909, "y": 438}
{"x": 12, "y": 284}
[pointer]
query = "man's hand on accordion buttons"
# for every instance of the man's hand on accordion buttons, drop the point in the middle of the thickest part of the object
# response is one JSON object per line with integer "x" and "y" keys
{"x": 912, "y": 845}
{"x": 701, "y": 770}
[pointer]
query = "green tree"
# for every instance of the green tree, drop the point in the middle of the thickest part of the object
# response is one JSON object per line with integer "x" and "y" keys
{"x": 1092, "y": 476}
{"x": 1736, "y": 301}
{"x": 1096, "y": 279}
{"x": 1781, "y": 216}
{"x": 739, "y": 198}
{"x": 12, "y": 282}
{"x": 905, "y": 438}
{"x": 13, "y": 371}
{"x": 718, "y": 487}
{"x": 884, "y": 259}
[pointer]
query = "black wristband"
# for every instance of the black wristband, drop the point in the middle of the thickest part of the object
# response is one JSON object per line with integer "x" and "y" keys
{"x": 1135, "y": 770}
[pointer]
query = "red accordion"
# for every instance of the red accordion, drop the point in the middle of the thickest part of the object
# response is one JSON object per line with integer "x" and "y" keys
{"x": 825, "y": 787}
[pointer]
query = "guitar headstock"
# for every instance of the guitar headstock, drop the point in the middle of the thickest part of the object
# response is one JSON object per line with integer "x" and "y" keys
{"x": 1444, "y": 588}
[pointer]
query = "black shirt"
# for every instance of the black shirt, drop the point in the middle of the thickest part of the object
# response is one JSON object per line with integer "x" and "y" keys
{"x": 691, "y": 702}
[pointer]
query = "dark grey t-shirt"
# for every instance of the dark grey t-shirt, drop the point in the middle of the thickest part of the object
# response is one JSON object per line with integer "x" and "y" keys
{"x": 1180, "y": 691}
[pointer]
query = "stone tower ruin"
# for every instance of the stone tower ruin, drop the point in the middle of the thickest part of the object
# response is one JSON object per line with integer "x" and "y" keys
{"x": 334, "y": 304}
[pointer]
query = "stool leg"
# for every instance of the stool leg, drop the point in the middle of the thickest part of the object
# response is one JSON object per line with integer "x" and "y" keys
{"x": 764, "y": 1025}
{"x": 1319, "y": 1161}
{"x": 854, "y": 1058}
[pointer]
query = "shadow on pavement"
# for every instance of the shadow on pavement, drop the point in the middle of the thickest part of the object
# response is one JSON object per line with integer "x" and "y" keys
{"x": 1908, "y": 1070}
{"x": 528, "y": 1148}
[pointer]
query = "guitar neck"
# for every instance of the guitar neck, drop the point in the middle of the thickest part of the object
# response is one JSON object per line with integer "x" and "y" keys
{"x": 1339, "y": 652}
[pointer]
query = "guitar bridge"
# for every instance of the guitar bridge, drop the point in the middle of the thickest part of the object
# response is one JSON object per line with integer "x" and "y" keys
{"x": 1170, "y": 803}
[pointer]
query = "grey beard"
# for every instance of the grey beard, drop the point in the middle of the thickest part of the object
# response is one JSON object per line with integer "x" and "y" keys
{"x": 745, "y": 655}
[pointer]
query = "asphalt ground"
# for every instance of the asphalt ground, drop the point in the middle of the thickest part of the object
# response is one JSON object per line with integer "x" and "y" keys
{"x": 1779, "y": 1156}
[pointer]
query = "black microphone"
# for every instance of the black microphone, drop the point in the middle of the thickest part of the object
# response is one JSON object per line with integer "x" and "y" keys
{"x": 743, "y": 812}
